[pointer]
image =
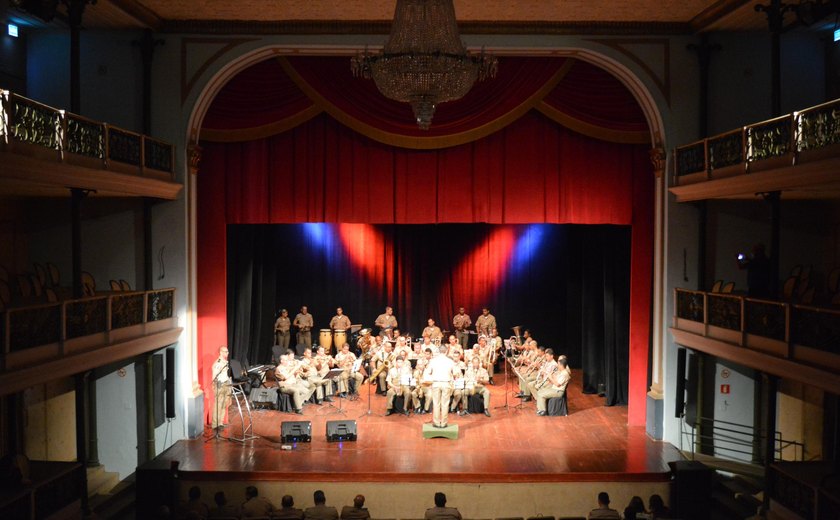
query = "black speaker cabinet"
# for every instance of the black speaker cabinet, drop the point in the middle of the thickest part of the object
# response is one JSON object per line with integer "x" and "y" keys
{"x": 264, "y": 398}
{"x": 170, "y": 383}
{"x": 338, "y": 431}
{"x": 296, "y": 431}
{"x": 691, "y": 489}
{"x": 679, "y": 398}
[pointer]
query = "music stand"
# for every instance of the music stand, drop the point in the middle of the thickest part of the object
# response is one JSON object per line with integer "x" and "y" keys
{"x": 238, "y": 393}
{"x": 506, "y": 406}
{"x": 334, "y": 372}
{"x": 369, "y": 411}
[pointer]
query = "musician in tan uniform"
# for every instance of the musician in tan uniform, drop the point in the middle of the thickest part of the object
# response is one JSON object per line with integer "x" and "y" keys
{"x": 340, "y": 321}
{"x": 440, "y": 373}
{"x": 323, "y": 363}
{"x": 422, "y": 391}
{"x": 281, "y": 330}
{"x": 548, "y": 367}
{"x": 289, "y": 383}
{"x": 221, "y": 388}
{"x": 462, "y": 322}
{"x": 476, "y": 383}
{"x": 558, "y": 380}
{"x": 383, "y": 361}
{"x": 346, "y": 361}
{"x": 304, "y": 323}
{"x": 486, "y": 354}
{"x": 433, "y": 331}
{"x": 386, "y": 322}
{"x": 459, "y": 385}
{"x": 527, "y": 373}
{"x": 318, "y": 385}
{"x": 397, "y": 375}
{"x": 485, "y": 323}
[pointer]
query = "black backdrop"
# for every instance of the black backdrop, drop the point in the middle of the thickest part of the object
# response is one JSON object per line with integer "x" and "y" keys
{"x": 572, "y": 291}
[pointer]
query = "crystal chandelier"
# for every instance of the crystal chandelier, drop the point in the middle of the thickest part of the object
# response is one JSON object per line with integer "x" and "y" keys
{"x": 424, "y": 61}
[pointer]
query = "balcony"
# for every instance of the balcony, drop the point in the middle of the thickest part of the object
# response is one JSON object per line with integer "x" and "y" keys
{"x": 797, "y": 342}
{"x": 44, "y": 151}
{"x": 797, "y": 154}
{"x": 49, "y": 341}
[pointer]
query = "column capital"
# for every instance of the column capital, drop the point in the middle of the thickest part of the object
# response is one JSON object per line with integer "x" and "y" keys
{"x": 194, "y": 157}
{"x": 658, "y": 158}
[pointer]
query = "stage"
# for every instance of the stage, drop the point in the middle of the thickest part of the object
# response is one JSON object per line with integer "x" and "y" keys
{"x": 511, "y": 453}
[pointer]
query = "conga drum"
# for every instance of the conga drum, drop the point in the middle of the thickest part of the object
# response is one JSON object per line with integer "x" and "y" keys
{"x": 325, "y": 339}
{"x": 340, "y": 339}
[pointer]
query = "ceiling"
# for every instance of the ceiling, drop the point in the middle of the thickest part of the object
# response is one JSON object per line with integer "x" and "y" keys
{"x": 474, "y": 16}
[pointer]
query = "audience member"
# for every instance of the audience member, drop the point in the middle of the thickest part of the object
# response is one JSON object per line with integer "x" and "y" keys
{"x": 603, "y": 510}
{"x": 287, "y": 510}
{"x": 320, "y": 511}
{"x": 195, "y": 505}
{"x": 222, "y": 509}
{"x": 440, "y": 511}
{"x": 254, "y": 504}
{"x": 635, "y": 507}
{"x": 357, "y": 511}
{"x": 657, "y": 508}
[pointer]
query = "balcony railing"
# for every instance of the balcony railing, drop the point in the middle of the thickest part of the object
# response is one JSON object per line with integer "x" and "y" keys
{"x": 807, "y": 489}
{"x": 798, "y": 332}
{"x": 735, "y": 442}
{"x": 25, "y": 329}
{"x": 788, "y": 140}
{"x": 32, "y": 128}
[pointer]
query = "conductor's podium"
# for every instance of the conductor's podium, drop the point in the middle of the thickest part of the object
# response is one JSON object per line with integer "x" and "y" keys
{"x": 449, "y": 432}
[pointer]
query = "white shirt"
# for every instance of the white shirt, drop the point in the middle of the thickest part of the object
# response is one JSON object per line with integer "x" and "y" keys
{"x": 440, "y": 371}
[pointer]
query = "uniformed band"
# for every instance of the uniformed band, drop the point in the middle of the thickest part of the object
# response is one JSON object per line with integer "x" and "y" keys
{"x": 429, "y": 375}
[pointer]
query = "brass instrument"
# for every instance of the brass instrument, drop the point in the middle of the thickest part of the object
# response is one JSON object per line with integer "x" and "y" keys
{"x": 385, "y": 365}
{"x": 539, "y": 384}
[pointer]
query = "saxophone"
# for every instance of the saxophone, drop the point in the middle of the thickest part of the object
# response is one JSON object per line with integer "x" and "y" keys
{"x": 385, "y": 365}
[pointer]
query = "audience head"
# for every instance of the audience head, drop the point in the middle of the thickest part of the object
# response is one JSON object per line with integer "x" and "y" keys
{"x": 656, "y": 503}
{"x": 287, "y": 500}
{"x": 440, "y": 498}
{"x": 636, "y": 505}
{"x": 195, "y": 493}
{"x": 603, "y": 498}
{"x": 220, "y": 498}
{"x": 319, "y": 497}
{"x": 251, "y": 492}
{"x": 359, "y": 501}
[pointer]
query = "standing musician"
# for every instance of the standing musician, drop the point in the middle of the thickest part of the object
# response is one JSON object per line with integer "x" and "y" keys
{"x": 440, "y": 372}
{"x": 422, "y": 391}
{"x": 221, "y": 388}
{"x": 399, "y": 377}
{"x": 485, "y": 323}
{"x": 304, "y": 323}
{"x": 476, "y": 383}
{"x": 281, "y": 330}
{"x": 433, "y": 331}
{"x": 290, "y": 383}
{"x": 345, "y": 360}
{"x": 340, "y": 321}
{"x": 462, "y": 323}
{"x": 386, "y": 322}
{"x": 323, "y": 363}
{"x": 558, "y": 380}
{"x": 548, "y": 367}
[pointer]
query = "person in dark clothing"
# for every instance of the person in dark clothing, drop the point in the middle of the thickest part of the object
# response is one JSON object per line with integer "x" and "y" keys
{"x": 759, "y": 276}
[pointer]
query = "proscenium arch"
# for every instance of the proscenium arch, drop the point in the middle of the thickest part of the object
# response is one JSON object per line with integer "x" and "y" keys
{"x": 643, "y": 95}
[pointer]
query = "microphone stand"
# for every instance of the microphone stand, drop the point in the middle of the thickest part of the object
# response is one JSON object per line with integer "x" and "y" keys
{"x": 505, "y": 406}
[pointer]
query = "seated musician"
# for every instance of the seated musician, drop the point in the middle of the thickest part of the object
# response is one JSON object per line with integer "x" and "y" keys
{"x": 455, "y": 346}
{"x": 548, "y": 367}
{"x": 422, "y": 391}
{"x": 289, "y": 383}
{"x": 528, "y": 373}
{"x": 323, "y": 363}
{"x": 459, "y": 383}
{"x": 486, "y": 354}
{"x": 399, "y": 377}
{"x": 476, "y": 383}
{"x": 346, "y": 360}
{"x": 383, "y": 361}
{"x": 311, "y": 375}
{"x": 556, "y": 385}
{"x": 402, "y": 348}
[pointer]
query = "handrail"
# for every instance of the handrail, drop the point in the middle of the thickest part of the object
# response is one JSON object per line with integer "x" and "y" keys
{"x": 26, "y": 122}
{"x": 726, "y": 437}
{"x": 788, "y": 138}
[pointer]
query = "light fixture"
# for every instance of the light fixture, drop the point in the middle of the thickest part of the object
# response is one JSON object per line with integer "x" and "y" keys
{"x": 424, "y": 61}
{"x": 13, "y": 30}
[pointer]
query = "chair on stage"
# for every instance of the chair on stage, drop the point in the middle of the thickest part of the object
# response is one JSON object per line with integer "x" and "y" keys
{"x": 276, "y": 352}
{"x": 558, "y": 406}
{"x": 475, "y": 404}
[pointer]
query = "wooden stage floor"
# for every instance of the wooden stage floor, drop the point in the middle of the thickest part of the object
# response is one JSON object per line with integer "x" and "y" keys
{"x": 593, "y": 443}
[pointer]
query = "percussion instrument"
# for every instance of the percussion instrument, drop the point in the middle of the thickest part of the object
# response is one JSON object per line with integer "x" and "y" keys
{"x": 340, "y": 338}
{"x": 325, "y": 340}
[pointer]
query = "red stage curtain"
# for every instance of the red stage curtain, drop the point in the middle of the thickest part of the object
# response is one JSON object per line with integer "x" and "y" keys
{"x": 533, "y": 171}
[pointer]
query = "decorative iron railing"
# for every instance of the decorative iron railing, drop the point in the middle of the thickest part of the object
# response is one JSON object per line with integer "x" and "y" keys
{"x": 808, "y": 489}
{"x": 29, "y": 123}
{"x": 787, "y": 138}
{"x": 29, "y": 327}
{"x": 52, "y": 488}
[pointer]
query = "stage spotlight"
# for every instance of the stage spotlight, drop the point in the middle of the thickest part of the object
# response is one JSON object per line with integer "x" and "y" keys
{"x": 338, "y": 431}
{"x": 296, "y": 431}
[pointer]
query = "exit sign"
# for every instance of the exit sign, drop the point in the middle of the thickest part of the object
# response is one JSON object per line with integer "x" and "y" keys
{"x": 724, "y": 389}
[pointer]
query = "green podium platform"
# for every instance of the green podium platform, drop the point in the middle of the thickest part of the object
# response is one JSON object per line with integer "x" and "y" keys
{"x": 450, "y": 432}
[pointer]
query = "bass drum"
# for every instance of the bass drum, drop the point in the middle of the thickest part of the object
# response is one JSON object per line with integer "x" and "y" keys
{"x": 325, "y": 340}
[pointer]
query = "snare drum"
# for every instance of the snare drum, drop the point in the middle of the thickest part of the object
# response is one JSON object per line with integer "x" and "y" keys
{"x": 325, "y": 339}
{"x": 340, "y": 338}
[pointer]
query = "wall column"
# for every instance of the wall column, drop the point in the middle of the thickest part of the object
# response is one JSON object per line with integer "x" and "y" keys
{"x": 655, "y": 397}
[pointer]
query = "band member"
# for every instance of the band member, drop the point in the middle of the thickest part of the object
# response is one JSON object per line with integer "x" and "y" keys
{"x": 433, "y": 331}
{"x": 382, "y": 362}
{"x": 365, "y": 343}
{"x": 486, "y": 354}
{"x": 455, "y": 347}
{"x": 346, "y": 360}
{"x": 281, "y": 330}
{"x": 556, "y": 386}
{"x": 318, "y": 384}
{"x": 340, "y": 321}
{"x": 221, "y": 387}
{"x": 323, "y": 363}
{"x": 485, "y": 323}
{"x": 399, "y": 377}
{"x": 304, "y": 323}
{"x": 476, "y": 383}
{"x": 386, "y": 322}
{"x": 289, "y": 383}
{"x": 440, "y": 372}
{"x": 427, "y": 344}
{"x": 548, "y": 367}
{"x": 402, "y": 349}
{"x": 528, "y": 373}
{"x": 462, "y": 323}
{"x": 459, "y": 385}
{"x": 422, "y": 391}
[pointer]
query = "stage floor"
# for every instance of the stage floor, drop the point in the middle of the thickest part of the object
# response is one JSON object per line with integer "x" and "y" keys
{"x": 593, "y": 443}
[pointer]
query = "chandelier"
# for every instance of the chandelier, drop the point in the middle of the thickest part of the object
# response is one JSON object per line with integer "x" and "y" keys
{"x": 424, "y": 61}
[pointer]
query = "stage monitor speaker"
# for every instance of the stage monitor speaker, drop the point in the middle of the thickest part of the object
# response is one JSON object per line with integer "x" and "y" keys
{"x": 296, "y": 431}
{"x": 264, "y": 398}
{"x": 338, "y": 431}
{"x": 679, "y": 401}
{"x": 170, "y": 383}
